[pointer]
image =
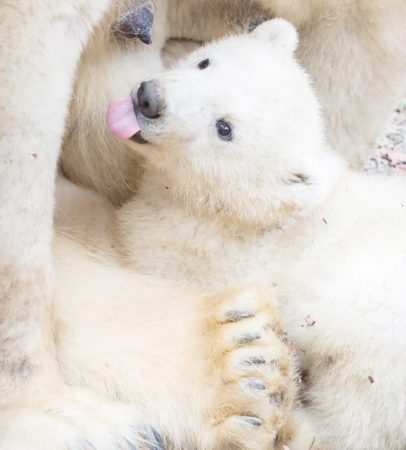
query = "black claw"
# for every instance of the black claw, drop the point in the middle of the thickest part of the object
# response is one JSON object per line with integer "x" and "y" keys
{"x": 249, "y": 337}
{"x": 136, "y": 24}
{"x": 256, "y": 385}
{"x": 256, "y": 360}
{"x": 251, "y": 420}
{"x": 235, "y": 316}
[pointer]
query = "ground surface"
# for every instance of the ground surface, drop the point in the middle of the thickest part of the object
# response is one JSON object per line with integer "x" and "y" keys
{"x": 390, "y": 155}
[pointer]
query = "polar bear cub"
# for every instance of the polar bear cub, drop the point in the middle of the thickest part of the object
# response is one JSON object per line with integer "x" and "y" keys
{"x": 240, "y": 185}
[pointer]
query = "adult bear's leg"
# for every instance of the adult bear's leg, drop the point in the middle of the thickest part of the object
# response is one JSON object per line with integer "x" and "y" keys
{"x": 40, "y": 44}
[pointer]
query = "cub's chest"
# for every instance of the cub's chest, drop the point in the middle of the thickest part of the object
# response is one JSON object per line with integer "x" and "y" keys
{"x": 177, "y": 246}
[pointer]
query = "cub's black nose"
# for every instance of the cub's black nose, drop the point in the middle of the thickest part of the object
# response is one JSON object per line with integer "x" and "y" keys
{"x": 150, "y": 103}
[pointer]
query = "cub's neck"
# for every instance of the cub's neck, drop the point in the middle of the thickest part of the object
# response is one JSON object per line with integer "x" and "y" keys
{"x": 162, "y": 234}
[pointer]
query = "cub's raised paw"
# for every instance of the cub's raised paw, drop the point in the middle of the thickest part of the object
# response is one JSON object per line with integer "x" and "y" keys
{"x": 74, "y": 420}
{"x": 251, "y": 362}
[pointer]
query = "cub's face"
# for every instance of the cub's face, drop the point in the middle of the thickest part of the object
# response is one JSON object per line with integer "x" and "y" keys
{"x": 235, "y": 125}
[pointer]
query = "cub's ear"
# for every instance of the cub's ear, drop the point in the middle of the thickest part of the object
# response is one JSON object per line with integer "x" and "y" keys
{"x": 136, "y": 24}
{"x": 279, "y": 32}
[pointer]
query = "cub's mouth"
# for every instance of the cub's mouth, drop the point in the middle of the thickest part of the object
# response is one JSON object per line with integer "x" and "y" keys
{"x": 145, "y": 105}
{"x": 137, "y": 138}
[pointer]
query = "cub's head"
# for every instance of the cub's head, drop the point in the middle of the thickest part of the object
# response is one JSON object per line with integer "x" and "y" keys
{"x": 235, "y": 127}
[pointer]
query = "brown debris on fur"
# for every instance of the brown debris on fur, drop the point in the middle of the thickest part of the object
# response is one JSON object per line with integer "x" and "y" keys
{"x": 309, "y": 321}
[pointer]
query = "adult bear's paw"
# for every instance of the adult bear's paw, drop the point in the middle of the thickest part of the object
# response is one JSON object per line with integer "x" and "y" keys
{"x": 251, "y": 361}
{"x": 74, "y": 420}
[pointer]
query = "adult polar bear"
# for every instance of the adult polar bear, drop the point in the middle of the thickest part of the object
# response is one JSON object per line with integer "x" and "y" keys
{"x": 354, "y": 50}
{"x": 262, "y": 197}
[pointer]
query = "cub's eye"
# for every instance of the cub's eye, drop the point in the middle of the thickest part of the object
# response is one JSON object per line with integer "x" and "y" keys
{"x": 204, "y": 64}
{"x": 224, "y": 130}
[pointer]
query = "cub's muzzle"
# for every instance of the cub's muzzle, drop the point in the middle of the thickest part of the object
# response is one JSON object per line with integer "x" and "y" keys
{"x": 149, "y": 101}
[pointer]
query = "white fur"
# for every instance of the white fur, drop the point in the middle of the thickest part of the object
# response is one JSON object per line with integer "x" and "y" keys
{"x": 167, "y": 352}
{"x": 40, "y": 45}
{"x": 354, "y": 51}
{"x": 108, "y": 69}
{"x": 39, "y": 48}
{"x": 34, "y": 94}
{"x": 275, "y": 205}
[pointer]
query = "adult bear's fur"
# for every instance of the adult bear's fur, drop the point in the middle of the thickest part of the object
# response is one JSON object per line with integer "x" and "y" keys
{"x": 40, "y": 46}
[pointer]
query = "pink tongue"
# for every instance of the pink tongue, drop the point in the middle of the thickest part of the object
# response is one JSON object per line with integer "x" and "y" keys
{"x": 121, "y": 118}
